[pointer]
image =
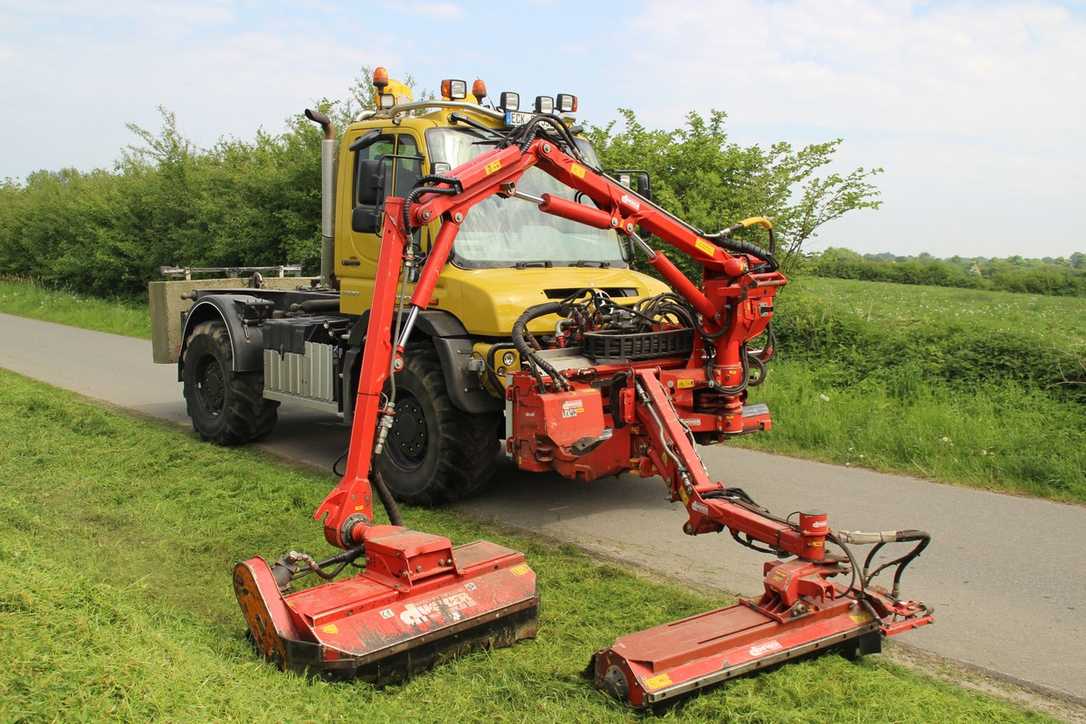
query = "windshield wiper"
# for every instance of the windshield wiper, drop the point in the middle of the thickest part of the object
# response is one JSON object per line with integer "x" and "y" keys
{"x": 590, "y": 262}
{"x": 546, "y": 264}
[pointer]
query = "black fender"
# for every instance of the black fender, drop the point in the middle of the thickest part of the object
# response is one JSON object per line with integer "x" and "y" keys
{"x": 453, "y": 346}
{"x": 246, "y": 340}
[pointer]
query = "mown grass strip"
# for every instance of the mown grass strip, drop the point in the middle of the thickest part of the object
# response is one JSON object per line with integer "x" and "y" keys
{"x": 119, "y": 536}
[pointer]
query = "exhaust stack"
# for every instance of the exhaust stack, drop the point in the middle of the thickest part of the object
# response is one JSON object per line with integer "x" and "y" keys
{"x": 328, "y": 194}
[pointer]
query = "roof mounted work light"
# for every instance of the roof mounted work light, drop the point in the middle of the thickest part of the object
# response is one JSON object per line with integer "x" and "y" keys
{"x": 509, "y": 101}
{"x": 387, "y": 100}
{"x": 478, "y": 89}
{"x": 454, "y": 90}
{"x": 544, "y": 104}
{"x": 567, "y": 103}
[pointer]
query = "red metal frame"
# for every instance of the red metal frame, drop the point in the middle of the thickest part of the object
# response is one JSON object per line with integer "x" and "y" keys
{"x": 646, "y": 428}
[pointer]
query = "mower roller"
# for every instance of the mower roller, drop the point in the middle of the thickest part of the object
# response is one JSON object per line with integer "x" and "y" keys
{"x": 617, "y": 388}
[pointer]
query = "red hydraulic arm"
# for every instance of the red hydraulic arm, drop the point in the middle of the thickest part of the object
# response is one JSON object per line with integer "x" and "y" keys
{"x": 801, "y": 610}
{"x": 729, "y": 305}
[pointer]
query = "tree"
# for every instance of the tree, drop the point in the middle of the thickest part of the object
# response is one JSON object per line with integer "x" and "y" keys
{"x": 703, "y": 177}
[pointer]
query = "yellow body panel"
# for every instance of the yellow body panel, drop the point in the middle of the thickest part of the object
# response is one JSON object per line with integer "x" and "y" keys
{"x": 486, "y": 301}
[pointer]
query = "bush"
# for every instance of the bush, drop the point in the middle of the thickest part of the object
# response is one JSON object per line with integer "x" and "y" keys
{"x": 238, "y": 203}
{"x": 1057, "y": 277}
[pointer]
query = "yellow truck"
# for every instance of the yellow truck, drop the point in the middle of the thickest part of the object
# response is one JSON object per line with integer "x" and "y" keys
{"x": 243, "y": 349}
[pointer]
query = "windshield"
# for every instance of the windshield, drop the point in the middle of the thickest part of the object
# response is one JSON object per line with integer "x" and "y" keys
{"x": 505, "y": 232}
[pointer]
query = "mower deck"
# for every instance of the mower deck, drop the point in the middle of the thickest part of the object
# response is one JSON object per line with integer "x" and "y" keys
{"x": 660, "y": 663}
{"x": 382, "y": 628}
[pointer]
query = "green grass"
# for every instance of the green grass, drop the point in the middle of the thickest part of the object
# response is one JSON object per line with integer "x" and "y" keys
{"x": 902, "y": 368}
{"x": 1001, "y": 437}
{"x": 1060, "y": 320}
{"x": 116, "y": 602}
{"x": 117, "y": 316}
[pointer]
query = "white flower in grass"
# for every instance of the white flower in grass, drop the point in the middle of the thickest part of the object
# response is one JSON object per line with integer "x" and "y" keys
{"x": 823, "y": 396}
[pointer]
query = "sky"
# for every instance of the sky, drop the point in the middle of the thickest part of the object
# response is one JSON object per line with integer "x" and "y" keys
{"x": 976, "y": 110}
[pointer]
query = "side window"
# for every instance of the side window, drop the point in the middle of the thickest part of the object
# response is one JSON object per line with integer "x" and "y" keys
{"x": 383, "y": 146}
{"x": 408, "y": 170}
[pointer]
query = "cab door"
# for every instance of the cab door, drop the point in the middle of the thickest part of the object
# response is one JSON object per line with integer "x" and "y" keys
{"x": 357, "y": 251}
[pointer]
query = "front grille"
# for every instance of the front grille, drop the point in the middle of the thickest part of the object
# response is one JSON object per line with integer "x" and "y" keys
{"x": 611, "y": 292}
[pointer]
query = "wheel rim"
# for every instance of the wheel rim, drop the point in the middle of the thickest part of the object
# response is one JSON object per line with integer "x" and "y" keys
{"x": 409, "y": 436}
{"x": 211, "y": 385}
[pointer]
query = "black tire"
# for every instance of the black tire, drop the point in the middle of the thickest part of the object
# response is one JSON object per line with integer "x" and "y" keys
{"x": 226, "y": 407}
{"x": 435, "y": 453}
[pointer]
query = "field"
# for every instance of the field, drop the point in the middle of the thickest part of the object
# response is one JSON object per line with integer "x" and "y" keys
{"x": 976, "y": 387}
{"x": 963, "y": 386}
{"x": 117, "y": 601}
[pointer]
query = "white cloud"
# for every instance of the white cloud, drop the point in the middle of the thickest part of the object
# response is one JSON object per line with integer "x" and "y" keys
{"x": 976, "y": 110}
{"x": 221, "y": 80}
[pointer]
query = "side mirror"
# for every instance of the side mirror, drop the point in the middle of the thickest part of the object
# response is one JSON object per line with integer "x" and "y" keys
{"x": 371, "y": 181}
{"x": 635, "y": 179}
{"x": 366, "y": 219}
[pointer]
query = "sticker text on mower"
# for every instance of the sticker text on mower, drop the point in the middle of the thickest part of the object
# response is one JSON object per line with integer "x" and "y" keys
{"x": 572, "y": 408}
{"x": 762, "y": 649}
{"x": 443, "y": 608}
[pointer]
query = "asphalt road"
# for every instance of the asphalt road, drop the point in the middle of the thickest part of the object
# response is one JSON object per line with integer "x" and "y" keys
{"x": 1005, "y": 573}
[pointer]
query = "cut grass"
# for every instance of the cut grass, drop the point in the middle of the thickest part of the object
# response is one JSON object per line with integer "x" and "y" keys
{"x": 116, "y": 316}
{"x": 118, "y": 540}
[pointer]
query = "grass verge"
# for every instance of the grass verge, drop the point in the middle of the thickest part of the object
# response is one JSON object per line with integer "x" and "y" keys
{"x": 117, "y": 316}
{"x": 118, "y": 541}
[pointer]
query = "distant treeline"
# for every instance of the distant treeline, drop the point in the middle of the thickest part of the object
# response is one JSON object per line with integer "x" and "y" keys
{"x": 1054, "y": 276}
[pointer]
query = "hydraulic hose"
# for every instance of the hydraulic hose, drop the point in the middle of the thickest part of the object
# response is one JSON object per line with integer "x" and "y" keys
{"x": 519, "y": 335}
{"x": 745, "y": 247}
{"x": 387, "y": 500}
{"x": 454, "y": 187}
{"x": 723, "y": 239}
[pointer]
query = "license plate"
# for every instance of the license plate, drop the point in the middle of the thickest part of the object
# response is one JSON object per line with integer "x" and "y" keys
{"x": 517, "y": 118}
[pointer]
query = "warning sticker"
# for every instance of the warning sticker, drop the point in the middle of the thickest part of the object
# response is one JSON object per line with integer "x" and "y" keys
{"x": 657, "y": 682}
{"x": 705, "y": 247}
{"x": 492, "y": 166}
{"x": 577, "y": 170}
{"x": 572, "y": 408}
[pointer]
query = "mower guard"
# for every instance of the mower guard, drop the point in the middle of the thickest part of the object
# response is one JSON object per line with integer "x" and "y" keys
{"x": 383, "y": 629}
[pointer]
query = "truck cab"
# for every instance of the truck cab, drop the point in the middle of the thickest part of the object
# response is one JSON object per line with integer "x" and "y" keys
{"x": 241, "y": 352}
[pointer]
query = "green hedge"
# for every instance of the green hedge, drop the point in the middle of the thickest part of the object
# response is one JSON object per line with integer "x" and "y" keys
{"x": 1056, "y": 277}
{"x": 107, "y": 232}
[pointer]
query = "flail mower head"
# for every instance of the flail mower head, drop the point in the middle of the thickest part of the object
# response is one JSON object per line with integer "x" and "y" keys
{"x": 418, "y": 601}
